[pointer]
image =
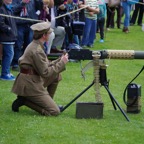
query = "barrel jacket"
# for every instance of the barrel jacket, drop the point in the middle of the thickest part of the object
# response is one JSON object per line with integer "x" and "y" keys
{"x": 8, "y": 29}
{"x": 35, "y": 58}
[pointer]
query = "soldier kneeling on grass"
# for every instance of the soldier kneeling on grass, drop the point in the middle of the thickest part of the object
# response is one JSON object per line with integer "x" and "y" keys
{"x": 38, "y": 79}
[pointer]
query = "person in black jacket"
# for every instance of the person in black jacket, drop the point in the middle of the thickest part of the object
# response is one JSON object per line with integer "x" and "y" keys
{"x": 8, "y": 36}
{"x": 138, "y": 13}
{"x": 24, "y": 9}
{"x": 1, "y": 3}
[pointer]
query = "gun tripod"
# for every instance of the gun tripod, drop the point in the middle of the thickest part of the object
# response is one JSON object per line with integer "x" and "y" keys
{"x": 100, "y": 77}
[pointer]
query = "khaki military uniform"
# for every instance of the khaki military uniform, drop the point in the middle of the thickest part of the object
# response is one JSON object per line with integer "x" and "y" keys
{"x": 38, "y": 79}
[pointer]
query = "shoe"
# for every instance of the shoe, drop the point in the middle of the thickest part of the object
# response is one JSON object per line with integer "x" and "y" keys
{"x": 98, "y": 31}
{"x": 12, "y": 76}
{"x": 90, "y": 46}
{"x": 55, "y": 50}
{"x": 8, "y": 77}
{"x": 60, "y": 107}
{"x": 107, "y": 29}
{"x": 131, "y": 24}
{"x": 101, "y": 41}
{"x": 18, "y": 103}
{"x": 140, "y": 24}
{"x": 83, "y": 46}
{"x": 126, "y": 30}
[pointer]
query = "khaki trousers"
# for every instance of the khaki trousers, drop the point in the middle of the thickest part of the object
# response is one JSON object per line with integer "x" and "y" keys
{"x": 43, "y": 104}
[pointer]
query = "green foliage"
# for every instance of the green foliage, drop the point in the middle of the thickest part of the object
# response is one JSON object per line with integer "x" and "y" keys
{"x": 28, "y": 127}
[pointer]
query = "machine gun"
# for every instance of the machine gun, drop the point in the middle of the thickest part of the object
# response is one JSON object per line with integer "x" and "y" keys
{"x": 97, "y": 59}
{"x": 86, "y": 54}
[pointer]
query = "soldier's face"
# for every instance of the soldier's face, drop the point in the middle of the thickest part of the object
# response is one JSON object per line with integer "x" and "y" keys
{"x": 46, "y": 36}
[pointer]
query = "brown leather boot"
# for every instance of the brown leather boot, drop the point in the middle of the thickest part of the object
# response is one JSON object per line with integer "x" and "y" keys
{"x": 18, "y": 103}
{"x": 125, "y": 29}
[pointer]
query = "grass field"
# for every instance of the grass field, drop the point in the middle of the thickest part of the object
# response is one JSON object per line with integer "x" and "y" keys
{"x": 28, "y": 127}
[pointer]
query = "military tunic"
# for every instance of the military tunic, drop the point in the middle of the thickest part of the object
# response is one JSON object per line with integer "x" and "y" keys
{"x": 34, "y": 86}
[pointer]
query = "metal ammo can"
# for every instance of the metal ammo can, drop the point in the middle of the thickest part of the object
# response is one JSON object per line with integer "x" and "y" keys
{"x": 133, "y": 98}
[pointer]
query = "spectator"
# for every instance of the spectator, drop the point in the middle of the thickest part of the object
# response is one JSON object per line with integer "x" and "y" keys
{"x": 67, "y": 21}
{"x": 138, "y": 13}
{"x": 110, "y": 17}
{"x": 57, "y": 37}
{"x": 81, "y": 12}
{"x": 8, "y": 36}
{"x": 24, "y": 9}
{"x": 38, "y": 78}
{"x": 126, "y": 9}
{"x": 44, "y": 14}
{"x": 90, "y": 23}
{"x": 101, "y": 19}
{"x": 1, "y": 3}
{"x": 119, "y": 10}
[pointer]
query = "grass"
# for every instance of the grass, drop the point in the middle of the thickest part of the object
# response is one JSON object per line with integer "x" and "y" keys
{"x": 28, "y": 127}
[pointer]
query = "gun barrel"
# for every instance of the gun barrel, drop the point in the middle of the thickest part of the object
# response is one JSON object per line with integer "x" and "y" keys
{"x": 139, "y": 55}
{"x": 121, "y": 54}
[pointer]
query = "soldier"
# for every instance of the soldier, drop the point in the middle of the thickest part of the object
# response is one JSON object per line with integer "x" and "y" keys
{"x": 37, "y": 81}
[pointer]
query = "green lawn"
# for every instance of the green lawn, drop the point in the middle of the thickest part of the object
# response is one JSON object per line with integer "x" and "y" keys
{"x": 28, "y": 127}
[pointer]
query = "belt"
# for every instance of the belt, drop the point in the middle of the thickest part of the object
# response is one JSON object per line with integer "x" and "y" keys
{"x": 28, "y": 71}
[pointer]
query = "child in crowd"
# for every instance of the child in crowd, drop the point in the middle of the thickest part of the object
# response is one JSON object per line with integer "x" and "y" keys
{"x": 89, "y": 33}
{"x": 43, "y": 14}
{"x": 101, "y": 18}
{"x": 8, "y": 36}
{"x": 81, "y": 12}
{"x": 70, "y": 6}
{"x": 56, "y": 38}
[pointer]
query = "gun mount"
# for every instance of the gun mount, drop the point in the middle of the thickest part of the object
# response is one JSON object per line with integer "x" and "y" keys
{"x": 99, "y": 66}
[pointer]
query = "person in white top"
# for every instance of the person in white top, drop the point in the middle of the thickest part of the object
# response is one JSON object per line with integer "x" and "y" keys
{"x": 57, "y": 36}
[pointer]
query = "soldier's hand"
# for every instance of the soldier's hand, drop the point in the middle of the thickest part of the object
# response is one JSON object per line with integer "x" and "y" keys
{"x": 64, "y": 58}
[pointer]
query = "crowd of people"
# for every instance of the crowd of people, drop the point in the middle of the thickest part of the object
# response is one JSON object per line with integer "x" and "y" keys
{"x": 16, "y": 34}
{"x": 31, "y": 29}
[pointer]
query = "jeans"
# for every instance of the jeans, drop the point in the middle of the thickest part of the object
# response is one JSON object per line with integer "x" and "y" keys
{"x": 89, "y": 32}
{"x": 25, "y": 36}
{"x": 127, "y": 10}
{"x": 76, "y": 39}
{"x": 8, "y": 53}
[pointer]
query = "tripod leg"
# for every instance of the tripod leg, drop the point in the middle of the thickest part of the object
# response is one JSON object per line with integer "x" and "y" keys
{"x": 78, "y": 96}
{"x": 114, "y": 100}
{"x": 110, "y": 96}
